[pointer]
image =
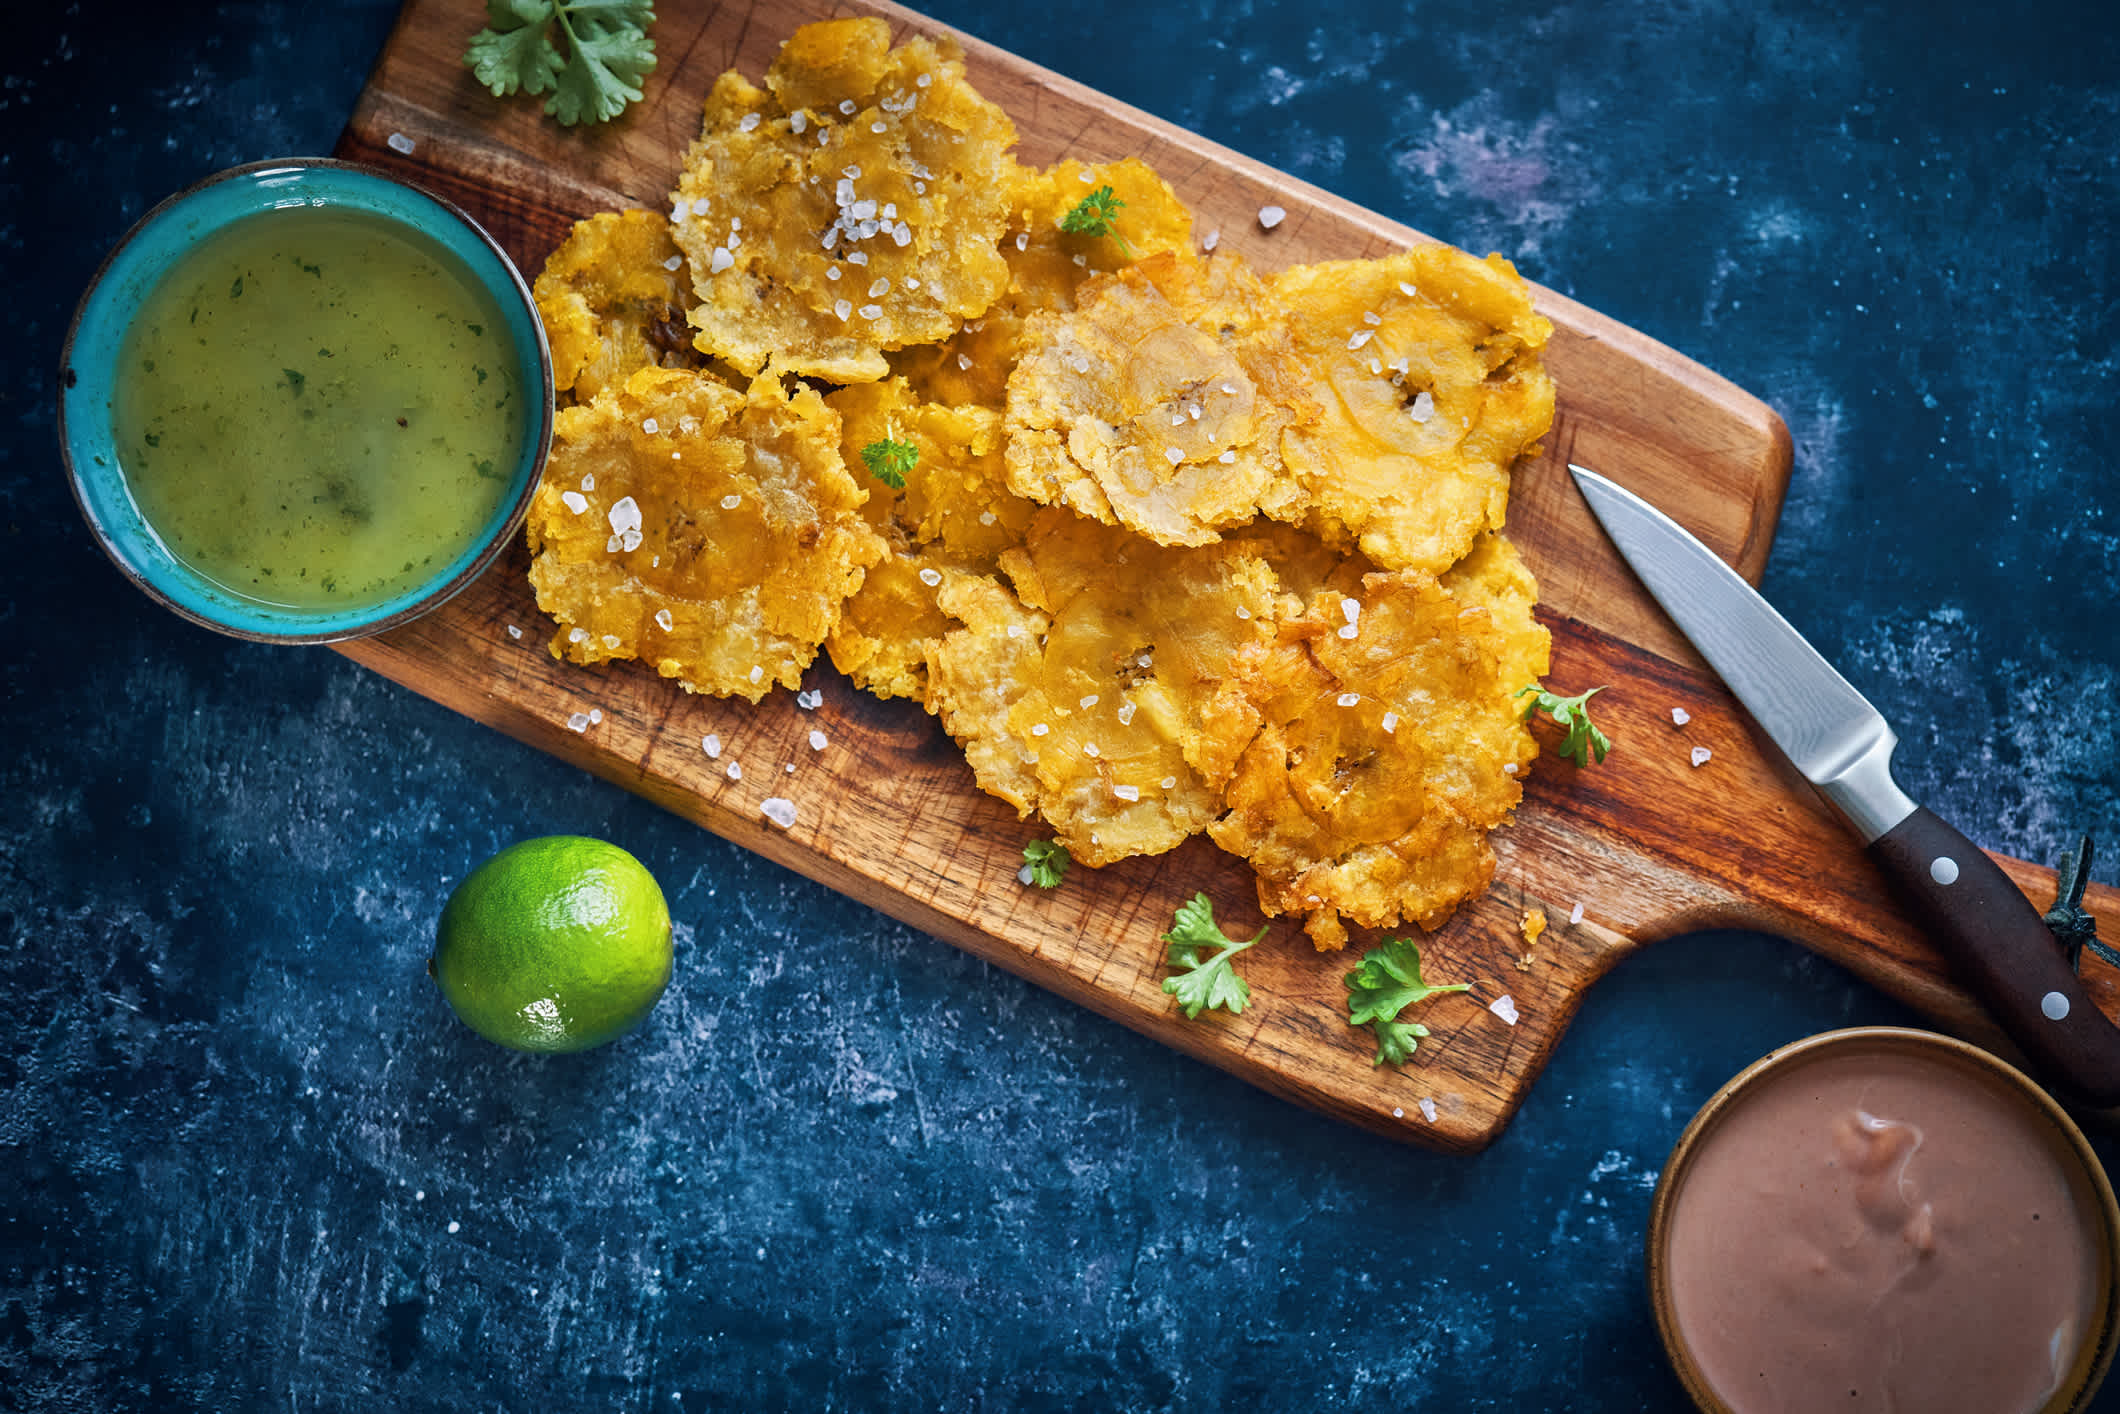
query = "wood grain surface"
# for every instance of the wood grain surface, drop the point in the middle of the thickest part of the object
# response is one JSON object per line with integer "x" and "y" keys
{"x": 1648, "y": 845}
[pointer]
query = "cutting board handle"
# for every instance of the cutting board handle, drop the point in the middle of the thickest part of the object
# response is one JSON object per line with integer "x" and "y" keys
{"x": 2005, "y": 953}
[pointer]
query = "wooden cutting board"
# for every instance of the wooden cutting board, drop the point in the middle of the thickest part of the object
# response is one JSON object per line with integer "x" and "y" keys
{"x": 1648, "y": 845}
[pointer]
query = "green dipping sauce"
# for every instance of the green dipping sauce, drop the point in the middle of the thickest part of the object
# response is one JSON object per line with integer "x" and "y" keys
{"x": 317, "y": 409}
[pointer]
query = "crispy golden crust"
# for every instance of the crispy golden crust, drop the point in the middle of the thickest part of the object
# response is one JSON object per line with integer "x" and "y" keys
{"x": 1046, "y": 265}
{"x": 1088, "y": 712}
{"x": 1367, "y": 752}
{"x": 954, "y": 512}
{"x": 1160, "y": 402}
{"x": 1430, "y": 386}
{"x": 851, "y": 206}
{"x": 613, "y": 299}
{"x": 710, "y": 533}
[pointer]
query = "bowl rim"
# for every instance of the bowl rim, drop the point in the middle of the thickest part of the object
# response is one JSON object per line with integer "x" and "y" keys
{"x": 2091, "y": 1365}
{"x": 342, "y": 625}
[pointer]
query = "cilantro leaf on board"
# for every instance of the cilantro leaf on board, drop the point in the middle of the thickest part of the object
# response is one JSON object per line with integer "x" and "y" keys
{"x": 889, "y": 461}
{"x": 1573, "y": 713}
{"x": 1384, "y": 983}
{"x": 1206, "y": 982}
{"x": 1046, "y": 862}
{"x": 607, "y": 54}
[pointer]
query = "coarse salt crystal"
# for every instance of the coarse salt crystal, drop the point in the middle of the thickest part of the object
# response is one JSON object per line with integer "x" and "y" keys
{"x": 1089, "y": 749}
{"x": 1349, "y": 630}
{"x": 735, "y": 771}
{"x": 574, "y": 501}
{"x": 1271, "y": 216}
{"x": 1427, "y": 1109}
{"x": 596, "y": 714}
{"x": 871, "y": 311}
{"x": 930, "y": 576}
{"x": 579, "y": 722}
{"x": 1089, "y": 701}
{"x": 1127, "y": 792}
{"x": 1348, "y": 699}
{"x": 720, "y": 260}
{"x": 1508, "y": 768}
{"x": 1126, "y": 714}
{"x": 880, "y": 288}
{"x": 1213, "y": 239}
{"x": 963, "y": 361}
{"x": 779, "y": 809}
{"x": 1015, "y": 630}
{"x": 680, "y": 209}
{"x": 1372, "y": 318}
{"x": 797, "y": 121}
{"x": 846, "y": 105}
{"x": 1040, "y": 729}
{"x": 1575, "y": 914}
{"x": 1173, "y": 455}
{"x": 579, "y": 635}
{"x": 711, "y": 744}
{"x": 816, "y": 742}
{"x": 756, "y": 672}
{"x": 1680, "y": 716}
{"x": 1423, "y": 406}
{"x": 842, "y": 308}
{"x": 612, "y": 641}
{"x": 663, "y": 620}
{"x": 750, "y": 121}
{"x": 398, "y": 142}
{"x": 731, "y": 501}
{"x": 1242, "y": 612}
{"x": 1701, "y": 754}
{"x": 1227, "y": 457}
{"x": 624, "y": 515}
{"x": 832, "y": 273}
{"x": 1504, "y": 1006}
{"x": 1169, "y": 783}
{"x": 514, "y": 632}
{"x": 901, "y": 234}
{"x": 1360, "y": 337}
{"x": 1350, "y": 609}
{"x": 1023, "y": 875}
{"x": 810, "y": 701}
{"x": 1391, "y": 722}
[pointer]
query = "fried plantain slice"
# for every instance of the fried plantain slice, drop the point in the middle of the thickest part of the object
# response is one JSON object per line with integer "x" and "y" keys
{"x": 1094, "y": 723}
{"x": 1431, "y": 385}
{"x": 1160, "y": 402}
{"x": 852, "y": 205}
{"x": 1366, "y": 753}
{"x": 1047, "y": 263}
{"x": 955, "y": 511}
{"x": 711, "y": 533}
{"x": 613, "y": 299}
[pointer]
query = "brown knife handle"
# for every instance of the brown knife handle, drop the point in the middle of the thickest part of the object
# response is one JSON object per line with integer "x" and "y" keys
{"x": 2004, "y": 951}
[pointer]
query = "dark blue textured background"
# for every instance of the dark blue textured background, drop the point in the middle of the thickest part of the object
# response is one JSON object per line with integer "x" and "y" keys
{"x": 248, "y": 1160}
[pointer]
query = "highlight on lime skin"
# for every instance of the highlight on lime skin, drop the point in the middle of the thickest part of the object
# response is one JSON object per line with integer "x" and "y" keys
{"x": 555, "y": 944}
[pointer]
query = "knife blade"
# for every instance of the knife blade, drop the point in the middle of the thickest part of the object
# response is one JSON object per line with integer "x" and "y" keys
{"x": 1843, "y": 746}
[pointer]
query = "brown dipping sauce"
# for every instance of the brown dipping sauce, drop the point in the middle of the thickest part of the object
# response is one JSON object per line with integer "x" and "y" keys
{"x": 1879, "y": 1224}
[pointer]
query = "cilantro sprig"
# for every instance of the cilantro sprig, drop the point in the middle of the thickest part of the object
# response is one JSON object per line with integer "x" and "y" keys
{"x": 890, "y": 460}
{"x": 1046, "y": 862}
{"x": 608, "y": 54}
{"x": 1097, "y": 215}
{"x": 1386, "y": 982}
{"x": 1583, "y": 737}
{"x": 1204, "y": 982}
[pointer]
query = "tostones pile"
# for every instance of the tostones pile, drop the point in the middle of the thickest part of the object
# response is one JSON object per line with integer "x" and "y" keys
{"x": 1168, "y": 546}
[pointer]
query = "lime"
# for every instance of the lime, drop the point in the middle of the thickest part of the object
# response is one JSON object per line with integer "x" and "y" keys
{"x": 554, "y": 944}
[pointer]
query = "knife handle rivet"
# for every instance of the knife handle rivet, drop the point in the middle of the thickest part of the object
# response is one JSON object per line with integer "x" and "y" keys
{"x": 1943, "y": 869}
{"x": 2054, "y": 1006}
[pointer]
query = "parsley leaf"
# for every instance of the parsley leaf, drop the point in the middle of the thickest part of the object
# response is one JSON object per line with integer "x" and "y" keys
{"x": 608, "y": 54}
{"x": 1046, "y": 862}
{"x": 889, "y": 461}
{"x": 1097, "y": 215}
{"x": 1206, "y": 982}
{"x": 1387, "y": 981}
{"x": 1574, "y": 714}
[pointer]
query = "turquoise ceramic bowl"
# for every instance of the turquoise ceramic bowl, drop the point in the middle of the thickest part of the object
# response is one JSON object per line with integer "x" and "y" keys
{"x": 90, "y": 360}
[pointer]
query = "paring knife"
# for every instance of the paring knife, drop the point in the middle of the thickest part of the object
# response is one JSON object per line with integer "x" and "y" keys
{"x": 1843, "y": 746}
